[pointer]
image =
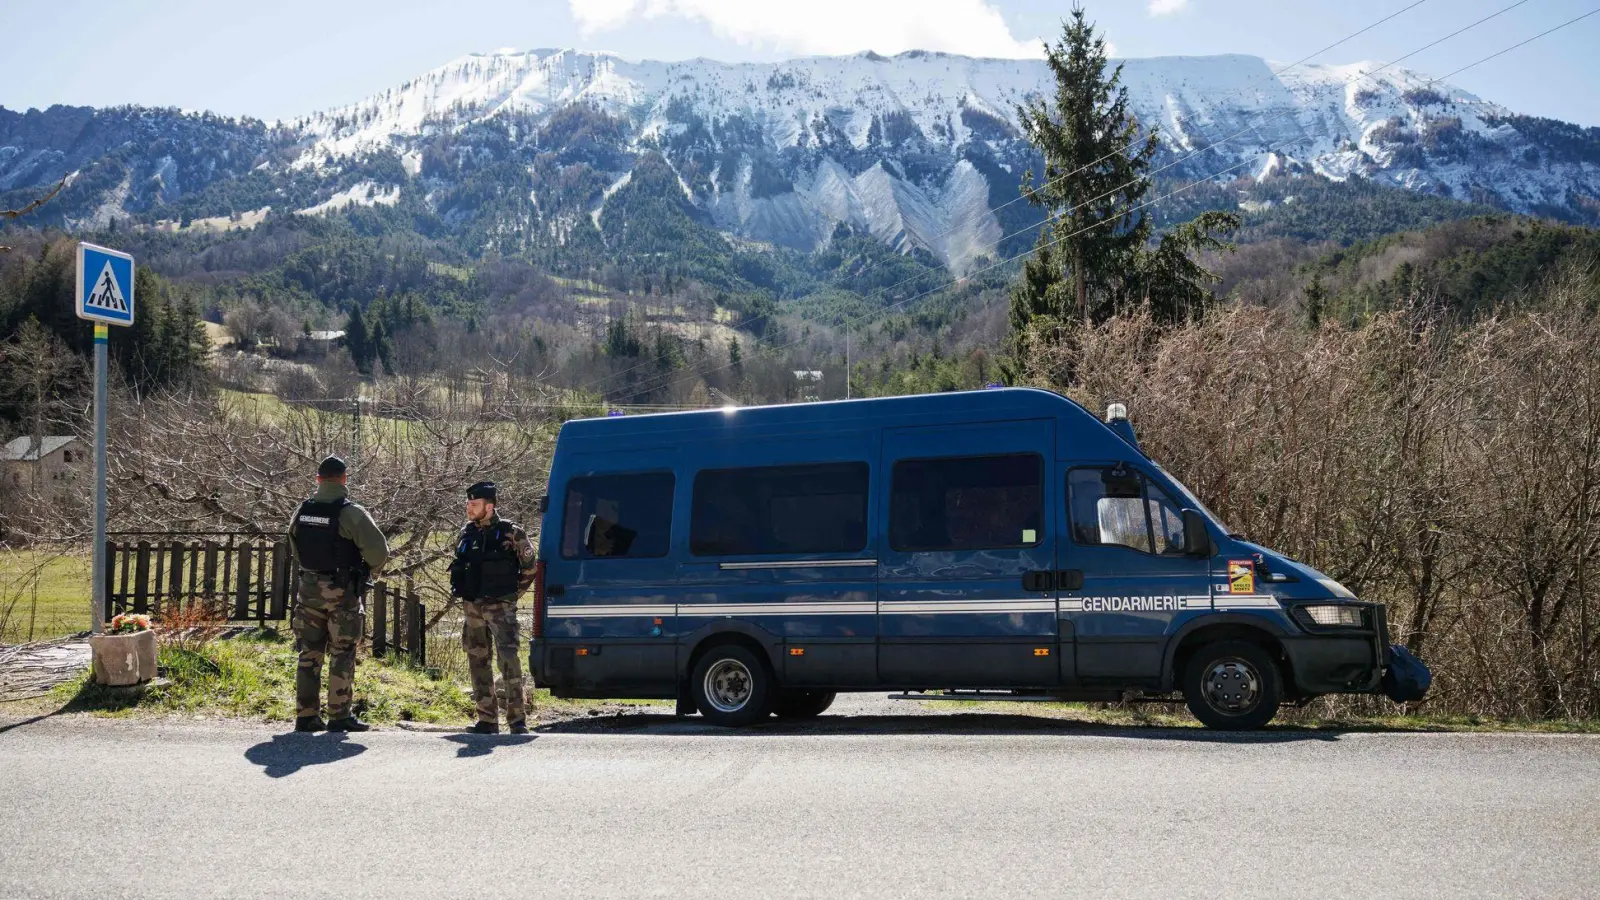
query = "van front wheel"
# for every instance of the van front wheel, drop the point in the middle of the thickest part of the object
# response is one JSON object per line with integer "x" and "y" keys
{"x": 732, "y": 686}
{"x": 1232, "y": 686}
{"x": 803, "y": 704}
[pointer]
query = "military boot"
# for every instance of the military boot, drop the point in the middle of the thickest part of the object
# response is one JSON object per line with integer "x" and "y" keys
{"x": 518, "y": 728}
{"x": 308, "y": 723}
{"x": 349, "y": 723}
{"x": 485, "y": 728}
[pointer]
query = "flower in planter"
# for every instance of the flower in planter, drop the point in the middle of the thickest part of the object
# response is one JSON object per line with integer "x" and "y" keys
{"x": 129, "y": 623}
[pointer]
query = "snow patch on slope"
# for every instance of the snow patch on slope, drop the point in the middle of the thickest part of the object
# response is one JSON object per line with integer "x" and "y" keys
{"x": 366, "y": 193}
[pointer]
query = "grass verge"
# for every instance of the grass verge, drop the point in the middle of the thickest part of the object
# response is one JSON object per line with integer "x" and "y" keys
{"x": 251, "y": 677}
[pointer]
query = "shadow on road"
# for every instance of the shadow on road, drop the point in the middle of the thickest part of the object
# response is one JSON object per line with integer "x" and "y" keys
{"x": 485, "y": 744}
{"x": 28, "y": 721}
{"x": 946, "y": 724}
{"x": 287, "y": 754}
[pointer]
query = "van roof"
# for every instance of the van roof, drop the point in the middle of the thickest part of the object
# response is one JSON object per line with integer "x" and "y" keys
{"x": 916, "y": 409}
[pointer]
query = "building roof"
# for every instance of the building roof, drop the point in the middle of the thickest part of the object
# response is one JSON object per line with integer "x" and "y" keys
{"x": 22, "y": 449}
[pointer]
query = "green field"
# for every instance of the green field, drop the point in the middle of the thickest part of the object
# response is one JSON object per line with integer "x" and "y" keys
{"x": 43, "y": 594}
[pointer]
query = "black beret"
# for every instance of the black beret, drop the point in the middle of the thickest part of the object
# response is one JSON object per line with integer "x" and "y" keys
{"x": 332, "y": 467}
{"x": 483, "y": 490}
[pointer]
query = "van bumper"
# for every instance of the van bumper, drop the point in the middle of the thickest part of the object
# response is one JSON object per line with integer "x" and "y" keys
{"x": 581, "y": 669}
{"x": 1347, "y": 662}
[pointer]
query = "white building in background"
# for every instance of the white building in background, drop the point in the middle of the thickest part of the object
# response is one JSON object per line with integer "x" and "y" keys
{"x": 61, "y": 458}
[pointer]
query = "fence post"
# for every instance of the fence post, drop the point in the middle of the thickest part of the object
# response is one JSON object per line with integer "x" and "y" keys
{"x": 112, "y": 553}
{"x": 396, "y": 620}
{"x": 141, "y": 575}
{"x": 413, "y": 626}
{"x": 159, "y": 583}
{"x": 380, "y": 616}
{"x": 210, "y": 583}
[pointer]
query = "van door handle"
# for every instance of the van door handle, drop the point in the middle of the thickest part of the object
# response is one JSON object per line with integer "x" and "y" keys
{"x": 1069, "y": 579}
{"x": 1039, "y": 580}
{"x": 555, "y": 590}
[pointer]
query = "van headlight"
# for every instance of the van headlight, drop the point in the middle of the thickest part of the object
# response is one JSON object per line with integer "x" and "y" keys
{"x": 1330, "y": 616}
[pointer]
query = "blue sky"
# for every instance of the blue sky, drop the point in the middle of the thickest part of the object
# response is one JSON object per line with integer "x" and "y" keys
{"x": 287, "y": 57}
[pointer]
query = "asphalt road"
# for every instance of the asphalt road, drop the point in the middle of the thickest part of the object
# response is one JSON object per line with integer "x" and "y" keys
{"x": 856, "y": 806}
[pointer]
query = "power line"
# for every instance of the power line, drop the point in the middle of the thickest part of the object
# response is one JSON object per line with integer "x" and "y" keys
{"x": 1004, "y": 237}
{"x": 1194, "y": 183}
{"x": 1519, "y": 44}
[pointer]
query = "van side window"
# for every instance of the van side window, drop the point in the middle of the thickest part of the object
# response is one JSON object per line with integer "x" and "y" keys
{"x": 967, "y": 503}
{"x": 1123, "y": 509}
{"x": 780, "y": 509}
{"x": 608, "y": 516}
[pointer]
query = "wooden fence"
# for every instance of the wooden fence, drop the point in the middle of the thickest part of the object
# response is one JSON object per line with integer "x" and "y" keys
{"x": 242, "y": 577}
{"x": 398, "y": 622}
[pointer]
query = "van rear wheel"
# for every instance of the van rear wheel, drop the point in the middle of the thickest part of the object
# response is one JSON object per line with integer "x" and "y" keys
{"x": 1232, "y": 686}
{"x": 803, "y": 704}
{"x": 732, "y": 686}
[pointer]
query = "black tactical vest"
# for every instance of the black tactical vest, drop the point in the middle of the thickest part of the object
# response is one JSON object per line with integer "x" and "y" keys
{"x": 485, "y": 568}
{"x": 317, "y": 540}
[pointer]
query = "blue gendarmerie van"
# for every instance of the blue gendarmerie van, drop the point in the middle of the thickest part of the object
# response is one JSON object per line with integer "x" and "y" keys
{"x": 1007, "y": 543}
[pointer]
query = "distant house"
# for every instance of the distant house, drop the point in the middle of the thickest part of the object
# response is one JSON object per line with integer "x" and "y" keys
{"x": 59, "y": 459}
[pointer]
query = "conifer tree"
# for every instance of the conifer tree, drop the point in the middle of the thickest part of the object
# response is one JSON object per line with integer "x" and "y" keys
{"x": 357, "y": 341}
{"x": 1095, "y": 257}
{"x": 1094, "y": 177}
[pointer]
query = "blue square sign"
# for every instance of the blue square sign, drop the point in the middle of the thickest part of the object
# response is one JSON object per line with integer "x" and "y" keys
{"x": 105, "y": 285}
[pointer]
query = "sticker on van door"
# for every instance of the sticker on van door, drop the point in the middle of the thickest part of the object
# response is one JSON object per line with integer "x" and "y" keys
{"x": 1241, "y": 576}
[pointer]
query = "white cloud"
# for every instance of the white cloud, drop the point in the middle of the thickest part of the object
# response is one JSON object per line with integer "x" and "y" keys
{"x": 1167, "y": 7}
{"x": 828, "y": 27}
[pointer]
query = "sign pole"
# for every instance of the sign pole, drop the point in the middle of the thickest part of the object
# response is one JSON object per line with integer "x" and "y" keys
{"x": 105, "y": 297}
{"x": 101, "y": 337}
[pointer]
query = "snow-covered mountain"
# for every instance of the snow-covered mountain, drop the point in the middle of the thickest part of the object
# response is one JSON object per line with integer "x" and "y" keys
{"x": 1231, "y": 114}
{"x": 919, "y": 149}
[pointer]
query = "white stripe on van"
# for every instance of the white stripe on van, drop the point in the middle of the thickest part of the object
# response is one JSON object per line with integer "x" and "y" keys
{"x": 954, "y": 606}
{"x": 1246, "y": 601}
{"x": 598, "y": 611}
{"x": 800, "y": 564}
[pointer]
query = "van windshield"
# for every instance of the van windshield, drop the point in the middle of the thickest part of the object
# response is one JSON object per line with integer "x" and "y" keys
{"x": 1190, "y": 499}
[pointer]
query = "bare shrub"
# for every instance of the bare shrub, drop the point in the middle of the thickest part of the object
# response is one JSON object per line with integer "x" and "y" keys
{"x": 1449, "y": 470}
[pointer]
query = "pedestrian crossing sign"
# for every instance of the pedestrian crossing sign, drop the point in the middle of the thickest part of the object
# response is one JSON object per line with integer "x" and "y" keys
{"x": 105, "y": 285}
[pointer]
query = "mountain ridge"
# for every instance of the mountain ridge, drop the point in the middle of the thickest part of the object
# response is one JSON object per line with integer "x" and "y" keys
{"x": 920, "y": 149}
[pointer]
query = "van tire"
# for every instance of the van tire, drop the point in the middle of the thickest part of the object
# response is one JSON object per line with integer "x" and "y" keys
{"x": 794, "y": 705}
{"x": 732, "y": 686}
{"x": 1233, "y": 686}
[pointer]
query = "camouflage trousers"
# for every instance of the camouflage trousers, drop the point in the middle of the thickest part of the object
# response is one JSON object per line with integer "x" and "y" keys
{"x": 491, "y": 628}
{"x": 326, "y": 621}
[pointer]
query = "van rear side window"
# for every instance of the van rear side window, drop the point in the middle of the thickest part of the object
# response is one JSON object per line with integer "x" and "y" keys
{"x": 610, "y": 516}
{"x": 780, "y": 509}
{"x": 967, "y": 503}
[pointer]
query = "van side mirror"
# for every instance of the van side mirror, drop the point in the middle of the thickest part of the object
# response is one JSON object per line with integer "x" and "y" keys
{"x": 1196, "y": 538}
{"x": 542, "y": 505}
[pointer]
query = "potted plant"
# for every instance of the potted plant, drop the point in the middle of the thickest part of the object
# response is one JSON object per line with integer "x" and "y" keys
{"x": 126, "y": 653}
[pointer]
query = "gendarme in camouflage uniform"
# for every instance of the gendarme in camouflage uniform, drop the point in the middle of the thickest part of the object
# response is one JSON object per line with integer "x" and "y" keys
{"x": 338, "y": 547}
{"x": 494, "y": 565}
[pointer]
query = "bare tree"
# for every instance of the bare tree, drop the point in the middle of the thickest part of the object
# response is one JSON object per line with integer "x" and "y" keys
{"x": 9, "y": 214}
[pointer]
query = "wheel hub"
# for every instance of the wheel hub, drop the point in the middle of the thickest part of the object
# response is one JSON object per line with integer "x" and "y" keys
{"x": 728, "y": 685}
{"x": 1232, "y": 686}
